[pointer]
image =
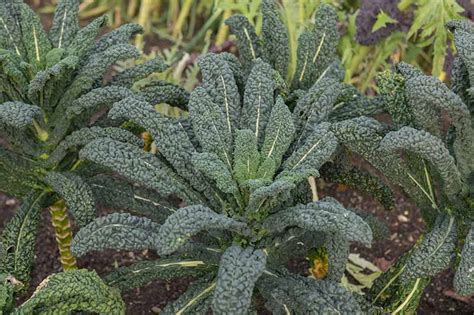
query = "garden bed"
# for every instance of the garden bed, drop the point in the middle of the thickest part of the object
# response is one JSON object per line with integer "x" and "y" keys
{"x": 404, "y": 223}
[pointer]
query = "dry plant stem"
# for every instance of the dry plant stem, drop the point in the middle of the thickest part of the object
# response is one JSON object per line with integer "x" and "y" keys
{"x": 63, "y": 233}
{"x": 223, "y": 32}
{"x": 144, "y": 18}
{"x": 314, "y": 188}
{"x": 183, "y": 14}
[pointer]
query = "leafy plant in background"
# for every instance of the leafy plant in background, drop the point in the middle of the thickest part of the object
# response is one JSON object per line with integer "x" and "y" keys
{"x": 52, "y": 88}
{"x": 438, "y": 160}
{"x": 448, "y": 167}
{"x": 383, "y": 32}
{"x": 239, "y": 162}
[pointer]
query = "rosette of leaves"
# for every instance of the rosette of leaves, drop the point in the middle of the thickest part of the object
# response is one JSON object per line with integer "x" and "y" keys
{"x": 239, "y": 162}
{"x": 52, "y": 89}
{"x": 432, "y": 132}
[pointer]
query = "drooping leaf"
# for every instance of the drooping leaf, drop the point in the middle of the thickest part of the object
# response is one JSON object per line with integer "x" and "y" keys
{"x": 322, "y": 216}
{"x": 188, "y": 221}
{"x": 239, "y": 270}
{"x": 428, "y": 147}
{"x": 19, "y": 238}
{"x": 464, "y": 278}
{"x": 137, "y": 165}
{"x": 120, "y": 231}
{"x": 143, "y": 272}
{"x": 138, "y": 72}
{"x": 77, "y": 194}
{"x": 73, "y": 290}
{"x": 434, "y": 252}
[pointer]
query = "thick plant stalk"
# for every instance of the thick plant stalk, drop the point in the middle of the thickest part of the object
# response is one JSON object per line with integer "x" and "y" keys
{"x": 63, "y": 233}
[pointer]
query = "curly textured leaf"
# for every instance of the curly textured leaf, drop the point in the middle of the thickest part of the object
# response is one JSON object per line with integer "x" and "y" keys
{"x": 42, "y": 85}
{"x": 317, "y": 149}
{"x": 77, "y": 194}
{"x": 143, "y": 272}
{"x": 428, "y": 147}
{"x": 219, "y": 82}
{"x": 210, "y": 125}
{"x": 74, "y": 290}
{"x": 19, "y": 238}
{"x": 34, "y": 37}
{"x": 157, "y": 92}
{"x": 120, "y": 35}
{"x": 129, "y": 76}
{"x": 95, "y": 67}
{"x": 97, "y": 98}
{"x": 274, "y": 38}
{"x": 239, "y": 270}
{"x": 279, "y": 133}
{"x": 213, "y": 168}
{"x": 83, "y": 136}
{"x": 435, "y": 251}
{"x": 168, "y": 134}
{"x": 85, "y": 37}
{"x": 247, "y": 40}
{"x": 120, "y": 231}
{"x": 322, "y": 216}
{"x": 258, "y": 99}
{"x": 110, "y": 192}
{"x": 301, "y": 295}
{"x": 18, "y": 115}
{"x": 338, "y": 249}
{"x": 65, "y": 23}
{"x": 316, "y": 48}
{"x": 359, "y": 180}
{"x": 464, "y": 277}
{"x": 188, "y": 221}
{"x": 137, "y": 165}
{"x": 246, "y": 155}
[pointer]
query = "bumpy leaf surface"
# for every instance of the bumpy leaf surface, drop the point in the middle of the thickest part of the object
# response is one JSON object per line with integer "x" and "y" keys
{"x": 74, "y": 290}
{"x": 77, "y": 194}
{"x": 435, "y": 251}
{"x": 120, "y": 231}
{"x": 239, "y": 270}
{"x": 464, "y": 277}
{"x": 188, "y": 221}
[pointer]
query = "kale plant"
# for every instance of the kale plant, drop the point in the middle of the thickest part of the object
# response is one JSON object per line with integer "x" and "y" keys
{"x": 240, "y": 162}
{"x": 429, "y": 149}
{"x": 52, "y": 88}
